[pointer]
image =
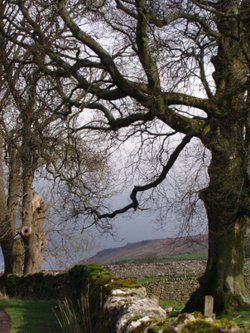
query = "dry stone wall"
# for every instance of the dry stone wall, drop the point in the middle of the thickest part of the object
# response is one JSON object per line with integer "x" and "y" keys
{"x": 176, "y": 268}
{"x": 137, "y": 310}
{"x": 130, "y": 310}
{"x": 170, "y": 280}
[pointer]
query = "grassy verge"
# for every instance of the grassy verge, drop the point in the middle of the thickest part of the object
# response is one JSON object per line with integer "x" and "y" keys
{"x": 241, "y": 316}
{"x": 31, "y": 316}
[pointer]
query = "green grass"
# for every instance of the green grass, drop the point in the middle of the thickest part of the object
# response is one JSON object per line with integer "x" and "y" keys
{"x": 241, "y": 316}
{"x": 176, "y": 305}
{"x": 31, "y": 316}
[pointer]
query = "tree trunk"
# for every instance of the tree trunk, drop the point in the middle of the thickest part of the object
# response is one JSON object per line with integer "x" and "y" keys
{"x": 224, "y": 201}
{"x": 27, "y": 217}
{"x": 18, "y": 256}
{"x": 12, "y": 202}
{"x": 30, "y": 254}
{"x": 223, "y": 278}
{"x": 8, "y": 204}
{"x": 7, "y": 249}
{"x": 35, "y": 241}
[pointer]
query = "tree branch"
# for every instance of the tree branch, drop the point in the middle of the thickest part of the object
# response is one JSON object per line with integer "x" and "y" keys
{"x": 104, "y": 56}
{"x": 142, "y": 41}
{"x": 133, "y": 196}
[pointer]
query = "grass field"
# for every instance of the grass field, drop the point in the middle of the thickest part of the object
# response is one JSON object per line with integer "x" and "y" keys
{"x": 31, "y": 316}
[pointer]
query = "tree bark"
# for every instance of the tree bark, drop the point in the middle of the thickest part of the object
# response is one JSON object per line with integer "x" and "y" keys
{"x": 12, "y": 202}
{"x": 18, "y": 256}
{"x": 8, "y": 205}
{"x": 223, "y": 278}
{"x": 224, "y": 201}
{"x": 35, "y": 241}
{"x": 5, "y": 228}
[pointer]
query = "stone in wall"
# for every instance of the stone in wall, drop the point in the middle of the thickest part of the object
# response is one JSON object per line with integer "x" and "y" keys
{"x": 128, "y": 309}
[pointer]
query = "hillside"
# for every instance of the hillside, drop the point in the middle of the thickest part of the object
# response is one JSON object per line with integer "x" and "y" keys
{"x": 151, "y": 249}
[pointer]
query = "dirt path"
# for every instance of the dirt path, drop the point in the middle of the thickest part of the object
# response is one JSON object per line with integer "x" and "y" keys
{"x": 5, "y": 322}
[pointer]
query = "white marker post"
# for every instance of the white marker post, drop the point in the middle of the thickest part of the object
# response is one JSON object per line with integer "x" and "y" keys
{"x": 209, "y": 307}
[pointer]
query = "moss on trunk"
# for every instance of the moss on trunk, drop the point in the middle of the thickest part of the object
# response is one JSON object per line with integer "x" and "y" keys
{"x": 223, "y": 278}
{"x": 227, "y": 224}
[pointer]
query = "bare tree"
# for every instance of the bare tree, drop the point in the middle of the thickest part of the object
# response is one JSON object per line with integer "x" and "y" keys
{"x": 34, "y": 139}
{"x": 10, "y": 184}
{"x": 184, "y": 64}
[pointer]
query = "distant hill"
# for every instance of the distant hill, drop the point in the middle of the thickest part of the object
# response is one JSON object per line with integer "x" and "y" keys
{"x": 151, "y": 249}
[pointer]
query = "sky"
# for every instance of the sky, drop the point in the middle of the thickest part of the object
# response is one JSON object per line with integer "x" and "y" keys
{"x": 134, "y": 229}
{"x": 144, "y": 225}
